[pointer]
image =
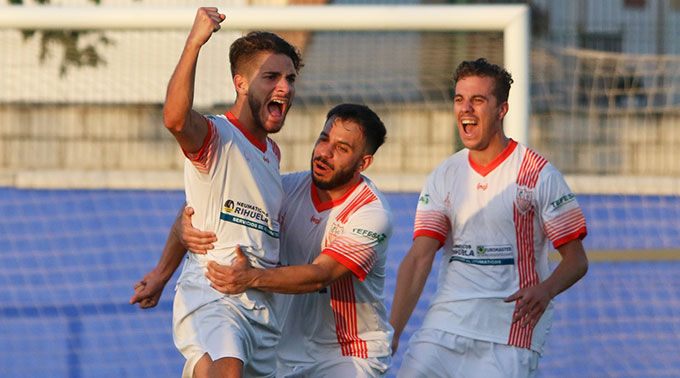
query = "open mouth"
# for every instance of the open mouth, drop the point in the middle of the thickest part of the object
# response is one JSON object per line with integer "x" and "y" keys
{"x": 468, "y": 125}
{"x": 276, "y": 107}
{"x": 321, "y": 166}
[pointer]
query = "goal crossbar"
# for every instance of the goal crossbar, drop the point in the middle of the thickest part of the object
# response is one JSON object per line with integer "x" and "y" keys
{"x": 511, "y": 19}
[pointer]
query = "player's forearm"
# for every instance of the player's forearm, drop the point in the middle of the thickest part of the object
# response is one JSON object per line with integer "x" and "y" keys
{"x": 411, "y": 279}
{"x": 173, "y": 252}
{"x": 572, "y": 268}
{"x": 180, "y": 93}
{"x": 297, "y": 279}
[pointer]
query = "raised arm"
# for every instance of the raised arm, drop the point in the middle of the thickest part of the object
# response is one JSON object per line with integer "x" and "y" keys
{"x": 411, "y": 278}
{"x": 186, "y": 125}
{"x": 296, "y": 279}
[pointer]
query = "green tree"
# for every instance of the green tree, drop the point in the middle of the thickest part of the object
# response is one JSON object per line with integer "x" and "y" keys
{"x": 75, "y": 53}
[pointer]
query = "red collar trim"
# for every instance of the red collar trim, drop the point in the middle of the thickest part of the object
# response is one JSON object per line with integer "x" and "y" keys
{"x": 485, "y": 170}
{"x": 320, "y": 207}
{"x": 261, "y": 146}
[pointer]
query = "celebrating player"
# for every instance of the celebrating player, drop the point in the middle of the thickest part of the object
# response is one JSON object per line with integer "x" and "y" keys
{"x": 334, "y": 233}
{"x": 495, "y": 207}
{"x": 231, "y": 164}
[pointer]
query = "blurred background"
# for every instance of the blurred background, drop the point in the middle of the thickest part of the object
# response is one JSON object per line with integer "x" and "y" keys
{"x": 90, "y": 180}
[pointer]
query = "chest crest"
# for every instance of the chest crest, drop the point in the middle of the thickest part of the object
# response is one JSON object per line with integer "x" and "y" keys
{"x": 523, "y": 199}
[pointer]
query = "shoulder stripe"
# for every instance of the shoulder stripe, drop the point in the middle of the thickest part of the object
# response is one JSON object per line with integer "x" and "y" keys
{"x": 275, "y": 148}
{"x": 203, "y": 159}
{"x": 532, "y": 164}
{"x": 364, "y": 197}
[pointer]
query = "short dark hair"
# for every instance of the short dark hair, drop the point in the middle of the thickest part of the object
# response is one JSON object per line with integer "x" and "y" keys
{"x": 371, "y": 126}
{"x": 246, "y": 47}
{"x": 481, "y": 67}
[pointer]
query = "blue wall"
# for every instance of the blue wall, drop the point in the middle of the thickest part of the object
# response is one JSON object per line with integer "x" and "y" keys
{"x": 68, "y": 260}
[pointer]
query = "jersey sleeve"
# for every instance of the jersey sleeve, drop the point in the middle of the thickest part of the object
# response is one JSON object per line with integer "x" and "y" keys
{"x": 362, "y": 239}
{"x": 432, "y": 218}
{"x": 204, "y": 159}
{"x": 563, "y": 219}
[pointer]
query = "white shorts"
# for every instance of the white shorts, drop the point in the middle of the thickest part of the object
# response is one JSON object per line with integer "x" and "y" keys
{"x": 344, "y": 366}
{"x": 433, "y": 353}
{"x": 226, "y": 328}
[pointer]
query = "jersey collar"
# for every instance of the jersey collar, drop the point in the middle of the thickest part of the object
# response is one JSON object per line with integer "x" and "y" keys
{"x": 323, "y": 206}
{"x": 485, "y": 170}
{"x": 261, "y": 146}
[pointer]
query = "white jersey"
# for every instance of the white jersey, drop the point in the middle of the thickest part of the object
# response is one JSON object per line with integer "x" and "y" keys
{"x": 497, "y": 224}
{"x": 233, "y": 184}
{"x": 348, "y": 318}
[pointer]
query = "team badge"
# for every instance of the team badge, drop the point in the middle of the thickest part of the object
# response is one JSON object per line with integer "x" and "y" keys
{"x": 336, "y": 230}
{"x": 523, "y": 199}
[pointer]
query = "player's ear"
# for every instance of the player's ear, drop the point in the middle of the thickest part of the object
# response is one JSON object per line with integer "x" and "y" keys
{"x": 503, "y": 110}
{"x": 241, "y": 84}
{"x": 365, "y": 162}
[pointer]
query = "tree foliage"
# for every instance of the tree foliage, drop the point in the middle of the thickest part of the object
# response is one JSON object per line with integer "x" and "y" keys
{"x": 75, "y": 53}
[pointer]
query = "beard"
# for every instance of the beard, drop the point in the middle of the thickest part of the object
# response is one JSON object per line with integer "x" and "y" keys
{"x": 256, "y": 111}
{"x": 339, "y": 177}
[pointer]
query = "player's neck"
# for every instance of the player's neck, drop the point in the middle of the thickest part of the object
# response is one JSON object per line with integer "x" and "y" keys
{"x": 496, "y": 147}
{"x": 338, "y": 192}
{"x": 242, "y": 112}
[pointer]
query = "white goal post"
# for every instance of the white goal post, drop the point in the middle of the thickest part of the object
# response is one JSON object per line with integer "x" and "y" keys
{"x": 512, "y": 20}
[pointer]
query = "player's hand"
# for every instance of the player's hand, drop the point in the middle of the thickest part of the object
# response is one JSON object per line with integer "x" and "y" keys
{"x": 195, "y": 240}
{"x": 207, "y": 21}
{"x": 530, "y": 305}
{"x": 148, "y": 291}
{"x": 395, "y": 343}
{"x": 232, "y": 279}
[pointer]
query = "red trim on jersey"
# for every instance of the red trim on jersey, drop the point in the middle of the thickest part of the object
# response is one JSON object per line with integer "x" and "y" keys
{"x": 203, "y": 158}
{"x": 343, "y": 302}
{"x": 524, "y": 232}
{"x": 531, "y": 166}
{"x": 580, "y": 234}
{"x": 485, "y": 170}
{"x": 433, "y": 224}
{"x": 275, "y": 148}
{"x": 568, "y": 226}
{"x": 323, "y": 206}
{"x": 356, "y": 256}
{"x": 345, "y": 261}
{"x": 261, "y": 146}
{"x": 364, "y": 197}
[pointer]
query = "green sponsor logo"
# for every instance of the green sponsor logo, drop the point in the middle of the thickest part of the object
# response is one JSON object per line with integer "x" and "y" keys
{"x": 562, "y": 201}
{"x": 370, "y": 234}
{"x": 424, "y": 199}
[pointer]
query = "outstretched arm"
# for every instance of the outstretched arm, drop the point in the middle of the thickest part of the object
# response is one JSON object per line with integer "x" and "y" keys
{"x": 149, "y": 289}
{"x": 186, "y": 125}
{"x": 532, "y": 301}
{"x": 296, "y": 279}
{"x": 411, "y": 279}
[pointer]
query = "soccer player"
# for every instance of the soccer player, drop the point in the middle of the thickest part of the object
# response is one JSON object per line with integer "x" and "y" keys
{"x": 232, "y": 181}
{"x": 334, "y": 234}
{"x": 495, "y": 207}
